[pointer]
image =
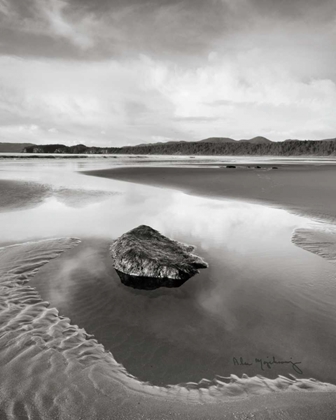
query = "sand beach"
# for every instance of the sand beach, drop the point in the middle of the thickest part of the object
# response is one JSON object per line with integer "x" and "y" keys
{"x": 77, "y": 343}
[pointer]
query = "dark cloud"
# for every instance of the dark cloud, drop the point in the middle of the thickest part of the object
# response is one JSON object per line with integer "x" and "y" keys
{"x": 16, "y": 43}
{"x": 115, "y": 28}
{"x": 99, "y": 29}
{"x": 26, "y": 9}
{"x": 107, "y": 6}
{"x": 294, "y": 9}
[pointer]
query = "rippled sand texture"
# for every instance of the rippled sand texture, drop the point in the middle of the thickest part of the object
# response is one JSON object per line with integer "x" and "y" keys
{"x": 51, "y": 369}
{"x": 319, "y": 238}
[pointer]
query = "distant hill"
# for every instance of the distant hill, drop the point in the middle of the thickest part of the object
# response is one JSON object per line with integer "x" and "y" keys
{"x": 161, "y": 142}
{"x": 217, "y": 140}
{"x": 258, "y": 146}
{"x": 259, "y": 140}
{"x": 13, "y": 147}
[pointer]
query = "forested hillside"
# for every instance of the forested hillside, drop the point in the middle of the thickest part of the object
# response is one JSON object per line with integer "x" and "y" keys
{"x": 239, "y": 148}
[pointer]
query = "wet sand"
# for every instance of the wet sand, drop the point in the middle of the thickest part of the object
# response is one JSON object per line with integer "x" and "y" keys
{"x": 16, "y": 195}
{"x": 70, "y": 375}
{"x": 304, "y": 189}
{"x": 52, "y": 369}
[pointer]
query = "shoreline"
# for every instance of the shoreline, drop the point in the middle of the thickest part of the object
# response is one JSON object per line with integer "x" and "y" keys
{"x": 212, "y": 159}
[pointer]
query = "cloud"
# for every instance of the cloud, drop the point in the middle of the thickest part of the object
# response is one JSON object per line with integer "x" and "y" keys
{"x": 108, "y": 28}
{"x": 141, "y": 99}
{"x": 296, "y": 9}
{"x": 162, "y": 28}
{"x": 53, "y": 12}
{"x": 171, "y": 69}
{"x": 120, "y": 100}
{"x": 196, "y": 119}
{"x": 40, "y": 28}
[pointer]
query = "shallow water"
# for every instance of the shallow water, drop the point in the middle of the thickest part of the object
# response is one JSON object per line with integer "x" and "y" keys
{"x": 260, "y": 297}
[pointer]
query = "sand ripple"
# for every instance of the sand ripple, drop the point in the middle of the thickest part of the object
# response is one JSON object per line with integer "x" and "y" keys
{"x": 319, "y": 238}
{"x": 51, "y": 369}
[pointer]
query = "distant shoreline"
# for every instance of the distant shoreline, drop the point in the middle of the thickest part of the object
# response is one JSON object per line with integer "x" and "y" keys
{"x": 213, "y": 146}
{"x": 21, "y": 155}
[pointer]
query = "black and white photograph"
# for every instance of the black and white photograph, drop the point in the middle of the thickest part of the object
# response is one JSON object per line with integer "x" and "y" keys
{"x": 167, "y": 209}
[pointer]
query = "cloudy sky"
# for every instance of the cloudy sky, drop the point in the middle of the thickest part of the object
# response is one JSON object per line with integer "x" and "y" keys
{"x": 116, "y": 72}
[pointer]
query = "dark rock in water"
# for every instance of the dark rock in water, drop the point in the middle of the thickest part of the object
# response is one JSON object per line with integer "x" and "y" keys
{"x": 274, "y": 167}
{"x": 258, "y": 167}
{"x": 231, "y": 166}
{"x": 145, "y": 259}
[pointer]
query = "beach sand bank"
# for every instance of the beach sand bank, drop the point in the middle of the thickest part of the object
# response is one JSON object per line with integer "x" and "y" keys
{"x": 305, "y": 189}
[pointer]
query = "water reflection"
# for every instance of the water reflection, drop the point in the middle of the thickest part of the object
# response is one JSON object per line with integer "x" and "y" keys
{"x": 260, "y": 297}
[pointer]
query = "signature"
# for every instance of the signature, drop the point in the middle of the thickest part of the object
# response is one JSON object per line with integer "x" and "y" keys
{"x": 267, "y": 363}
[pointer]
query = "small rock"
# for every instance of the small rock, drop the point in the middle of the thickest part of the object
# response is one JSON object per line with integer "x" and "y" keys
{"x": 145, "y": 259}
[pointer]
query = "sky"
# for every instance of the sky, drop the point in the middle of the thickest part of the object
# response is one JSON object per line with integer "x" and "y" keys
{"x": 124, "y": 72}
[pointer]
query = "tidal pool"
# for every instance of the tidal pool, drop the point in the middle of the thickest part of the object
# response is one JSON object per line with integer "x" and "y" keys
{"x": 262, "y": 299}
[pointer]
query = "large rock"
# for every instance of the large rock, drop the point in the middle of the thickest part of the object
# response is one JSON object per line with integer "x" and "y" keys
{"x": 145, "y": 259}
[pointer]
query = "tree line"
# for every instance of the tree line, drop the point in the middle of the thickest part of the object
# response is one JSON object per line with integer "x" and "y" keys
{"x": 285, "y": 148}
